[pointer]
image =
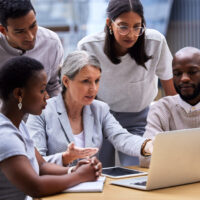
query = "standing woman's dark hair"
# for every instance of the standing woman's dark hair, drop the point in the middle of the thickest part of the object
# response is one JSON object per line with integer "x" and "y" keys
{"x": 137, "y": 51}
{"x": 16, "y": 73}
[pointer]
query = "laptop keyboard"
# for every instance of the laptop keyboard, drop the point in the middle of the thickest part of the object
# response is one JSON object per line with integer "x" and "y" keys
{"x": 141, "y": 183}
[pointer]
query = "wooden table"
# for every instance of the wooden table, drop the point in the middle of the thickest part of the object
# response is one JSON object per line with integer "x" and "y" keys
{"x": 112, "y": 192}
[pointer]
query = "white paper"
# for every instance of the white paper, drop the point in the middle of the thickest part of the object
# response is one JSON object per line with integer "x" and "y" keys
{"x": 93, "y": 186}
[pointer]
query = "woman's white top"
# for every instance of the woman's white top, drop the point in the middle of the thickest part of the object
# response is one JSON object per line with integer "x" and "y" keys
{"x": 128, "y": 87}
{"x": 80, "y": 140}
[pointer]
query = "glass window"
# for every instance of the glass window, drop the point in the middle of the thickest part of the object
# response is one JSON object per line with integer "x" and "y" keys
{"x": 73, "y": 19}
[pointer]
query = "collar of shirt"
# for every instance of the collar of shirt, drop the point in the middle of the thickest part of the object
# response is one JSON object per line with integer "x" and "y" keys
{"x": 187, "y": 107}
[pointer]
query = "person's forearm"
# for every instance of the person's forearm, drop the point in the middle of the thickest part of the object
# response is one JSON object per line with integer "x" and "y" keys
{"x": 52, "y": 169}
{"x": 49, "y": 168}
{"x": 168, "y": 87}
{"x": 47, "y": 185}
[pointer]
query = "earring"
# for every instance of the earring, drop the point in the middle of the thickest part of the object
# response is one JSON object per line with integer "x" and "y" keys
{"x": 20, "y": 103}
{"x": 110, "y": 31}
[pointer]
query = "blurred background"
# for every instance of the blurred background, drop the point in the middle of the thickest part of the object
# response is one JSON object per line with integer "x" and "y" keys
{"x": 178, "y": 20}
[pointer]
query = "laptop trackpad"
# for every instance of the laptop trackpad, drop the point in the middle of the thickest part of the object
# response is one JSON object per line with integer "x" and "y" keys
{"x": 139, "y": 182}
{"x": 143, "y": 183}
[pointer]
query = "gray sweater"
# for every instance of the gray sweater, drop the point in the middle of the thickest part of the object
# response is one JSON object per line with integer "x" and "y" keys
{"x": 170, "y": 113}
{"x": 48, "y": 50}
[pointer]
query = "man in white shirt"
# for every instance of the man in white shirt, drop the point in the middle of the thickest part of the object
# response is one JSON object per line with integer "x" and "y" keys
{"x": 21, "y": 36}
{"x": 181, "y": 111}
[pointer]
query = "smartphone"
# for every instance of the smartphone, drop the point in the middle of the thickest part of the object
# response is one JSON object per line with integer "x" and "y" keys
{"x": 121, "y": 172}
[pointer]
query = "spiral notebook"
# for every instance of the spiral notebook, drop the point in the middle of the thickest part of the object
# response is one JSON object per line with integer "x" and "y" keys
{"x": 92, "y": 186}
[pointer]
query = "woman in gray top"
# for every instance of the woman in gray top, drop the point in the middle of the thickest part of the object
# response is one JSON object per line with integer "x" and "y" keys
{"x": 132, "y": 58}
{"x": 23, "y": 171}
{"x": 75, "y": 115}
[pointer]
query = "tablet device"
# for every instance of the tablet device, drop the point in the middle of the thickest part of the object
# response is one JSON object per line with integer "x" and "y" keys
{"x": 121, "y": 172}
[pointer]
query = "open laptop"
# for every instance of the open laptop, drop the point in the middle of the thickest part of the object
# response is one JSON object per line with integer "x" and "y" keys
{"x": 175, "y": 161}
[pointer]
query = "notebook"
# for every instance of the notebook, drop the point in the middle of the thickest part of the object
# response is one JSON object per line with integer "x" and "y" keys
{"x": 175, "y": 161}
{"x": 93, "y": 186}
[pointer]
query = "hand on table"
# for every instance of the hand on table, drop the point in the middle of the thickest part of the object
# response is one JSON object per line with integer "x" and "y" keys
{"x": 89, "y": 169}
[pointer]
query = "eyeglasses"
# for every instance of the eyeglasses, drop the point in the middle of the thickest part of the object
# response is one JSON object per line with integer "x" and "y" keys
{"x": 125, "y": 30}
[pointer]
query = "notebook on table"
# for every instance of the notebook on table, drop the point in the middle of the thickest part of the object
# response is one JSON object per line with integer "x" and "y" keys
{"x": 92, "y": 186}
{"x": 175, "y": 161}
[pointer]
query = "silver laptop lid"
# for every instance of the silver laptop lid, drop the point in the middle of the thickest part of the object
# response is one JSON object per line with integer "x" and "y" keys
{"x": 175, "y": 159}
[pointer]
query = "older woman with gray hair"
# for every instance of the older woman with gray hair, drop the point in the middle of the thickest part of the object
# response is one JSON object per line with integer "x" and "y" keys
{"x": 75, "y": 116}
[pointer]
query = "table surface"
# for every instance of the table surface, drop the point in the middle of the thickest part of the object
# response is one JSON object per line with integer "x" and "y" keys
{"x": 112, "y": 192}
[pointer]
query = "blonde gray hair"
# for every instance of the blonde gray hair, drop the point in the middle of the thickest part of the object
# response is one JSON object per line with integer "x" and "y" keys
{"x": 75, "y": 61}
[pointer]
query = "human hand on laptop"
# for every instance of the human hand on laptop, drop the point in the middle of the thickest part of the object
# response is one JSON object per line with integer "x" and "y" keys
{"x": 147, "y": 148}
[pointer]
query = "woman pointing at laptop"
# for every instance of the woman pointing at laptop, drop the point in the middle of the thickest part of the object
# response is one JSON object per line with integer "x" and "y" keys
{"x": 75, "y": 116}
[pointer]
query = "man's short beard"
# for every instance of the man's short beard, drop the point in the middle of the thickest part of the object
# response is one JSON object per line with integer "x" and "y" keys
{"x": 186, "y": 98}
